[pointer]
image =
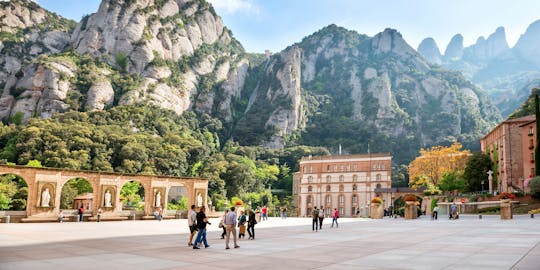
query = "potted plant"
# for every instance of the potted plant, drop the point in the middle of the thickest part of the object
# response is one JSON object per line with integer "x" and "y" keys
{"x": 410, "y": 206}
{"x": 506, "y": 205}
{"x": 376, "y": 211}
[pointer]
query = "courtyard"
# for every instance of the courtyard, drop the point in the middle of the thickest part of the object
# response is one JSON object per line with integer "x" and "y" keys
{"x": 467, "y": 243}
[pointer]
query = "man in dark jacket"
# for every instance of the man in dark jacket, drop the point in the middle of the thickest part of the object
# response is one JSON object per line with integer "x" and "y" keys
{"x": 202, "y": 220}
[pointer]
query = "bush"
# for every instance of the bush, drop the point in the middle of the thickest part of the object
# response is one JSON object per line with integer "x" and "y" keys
{"x": 377, "y": 200}
{"x": 409, "y": 198}
{"x": 506, "y": 195}
{"x": 534, "y": 185}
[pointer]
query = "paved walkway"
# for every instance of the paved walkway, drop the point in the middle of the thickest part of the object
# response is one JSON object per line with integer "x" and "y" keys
{"x": 467, "y": 243}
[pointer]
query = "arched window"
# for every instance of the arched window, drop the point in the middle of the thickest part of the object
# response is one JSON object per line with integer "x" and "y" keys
{"x": 341, "y": 188}
{"x": 328, "y": 179}
{"x": 328, "y": 199}
{"x": 310, "y": 179}
{"x": 341, "y": 199}
{"x": 309, "y": 188}
{"x": 354, "y": 199}
{"x": 378, "y": 177}
{"x": 328, "y": 188}
{"x": 341, "y": 178}
{"x": 378, "y": 186}
{"x": 355, "y": 178}
{"x": 354, "y": 187}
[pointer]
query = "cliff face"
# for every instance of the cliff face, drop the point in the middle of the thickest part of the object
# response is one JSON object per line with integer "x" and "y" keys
{"x": 176, "y": 54}
{"x": 430, "y": 51}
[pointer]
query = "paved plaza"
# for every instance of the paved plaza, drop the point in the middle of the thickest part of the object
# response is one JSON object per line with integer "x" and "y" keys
{"x": 467, "y": 243}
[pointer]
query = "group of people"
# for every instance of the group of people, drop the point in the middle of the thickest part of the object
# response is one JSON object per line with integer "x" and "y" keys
{"x": 318, "y": 217}
{"x": 197, "y": 222}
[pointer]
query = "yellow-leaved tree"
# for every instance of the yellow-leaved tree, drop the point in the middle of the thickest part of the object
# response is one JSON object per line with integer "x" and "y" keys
{"x": 428, "y": 169}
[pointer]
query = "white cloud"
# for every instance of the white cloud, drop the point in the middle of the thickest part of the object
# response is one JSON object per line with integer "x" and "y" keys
{"x": 231, "y": 7}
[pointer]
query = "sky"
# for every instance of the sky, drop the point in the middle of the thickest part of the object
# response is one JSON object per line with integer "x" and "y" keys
{"x": 276, "y": 24}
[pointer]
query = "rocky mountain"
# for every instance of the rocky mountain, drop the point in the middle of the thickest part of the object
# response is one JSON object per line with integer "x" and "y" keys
{"x": 176, "y": 54}
{"x": 340, "y": 87}
{"x": 504, "y": 72}
{"x": 334, "y": 87}
{"x": 430, "y": 51}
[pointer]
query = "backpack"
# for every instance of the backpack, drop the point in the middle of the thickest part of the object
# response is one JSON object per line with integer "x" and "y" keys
{"x": 315, "y": 213}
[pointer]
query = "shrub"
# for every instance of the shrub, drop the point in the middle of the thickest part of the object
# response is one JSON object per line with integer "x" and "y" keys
{"x": 506, "y": 195}
{"x": 376, "y": 200}
{"x": 534, "y": 185}
{"x": 409, "y": 198}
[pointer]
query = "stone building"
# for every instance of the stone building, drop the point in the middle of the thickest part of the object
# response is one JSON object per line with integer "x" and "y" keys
{"x": 345, "y": 182}
{"x": 511, "y": 147}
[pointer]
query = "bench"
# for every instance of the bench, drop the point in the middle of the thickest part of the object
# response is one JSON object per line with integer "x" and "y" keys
{"x": 153, "y": 217}
{"x": 108, "y": 218}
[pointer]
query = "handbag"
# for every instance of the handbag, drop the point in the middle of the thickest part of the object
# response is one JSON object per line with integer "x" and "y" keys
{"x": 220, "y": 224}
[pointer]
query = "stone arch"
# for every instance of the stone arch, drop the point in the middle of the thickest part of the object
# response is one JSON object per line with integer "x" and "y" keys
{"x": 19, "y": 200}
{"x": 77, "y": 191}
{"x": 131, "y": 199}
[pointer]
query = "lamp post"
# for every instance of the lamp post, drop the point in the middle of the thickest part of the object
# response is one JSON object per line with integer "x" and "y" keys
{"x": 482, "y": 183}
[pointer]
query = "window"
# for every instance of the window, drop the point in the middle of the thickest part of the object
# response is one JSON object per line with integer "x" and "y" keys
{"x": 354, "y": 187}
{"x": 341, "y": 188}
{"x": 354, "y": 199}
{"x": 328, "y": 188}
{"x": 355, "y": 167}
{"x": 382, "y": 167}
{"x": 328, "y": 199}
{"x": 309, "y": 199}
{"x": 304, "y": 169}
{"x": 341, "y": 178}
{"x": 348, "y": 167}
{"x": 328, "y": 168}
{"x": 328, "y": 179}
{"x": 532, "y": 156}
{"x": 531, "y": 131}
{"x": 355, "y": 178}
{"x": 310, "y": 189}
{"x": 378, "y": 177}
{"x": 341, "y": 199}
{"x": 335, "y": 168}
{"x": 341, "y": 211}
{"x": 342, "y": 168}
{"x": 378, "y": 186}
{"x": 310, "y": 179}
{"x": 310, "y": 169}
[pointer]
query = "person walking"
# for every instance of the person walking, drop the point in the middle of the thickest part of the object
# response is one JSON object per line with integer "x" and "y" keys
{"x": 230, "y": 224}
{"x": 81, "y": 214}
{"x": 252, "y": 220}
{"x": 391, "y": 211}
{"x": 242, "y": 225}
{"x": 435, "y": 212}
{"x": 453, "y": 211}
{"x": 315, "y": 216}
{"x": 202, "y": 220}
{"x": 222, "y": 224}
{"x": 265, "y": 213}
{"x": 321, "y": 217}
{"x": 192, "y": 223}
{"x": 99, "y": 214}
{"x": 335, "y": 217}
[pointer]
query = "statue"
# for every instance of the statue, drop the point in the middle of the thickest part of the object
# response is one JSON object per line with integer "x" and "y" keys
{"x": 108, "y": 198}
{"x": 199, "y": 200}
{"x": 158, "y": 199}
{"x": 45, "y": 198}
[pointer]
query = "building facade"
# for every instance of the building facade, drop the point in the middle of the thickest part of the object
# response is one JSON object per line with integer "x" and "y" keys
{"x": 343, "y": 182}
{"x": 511, "y": 148}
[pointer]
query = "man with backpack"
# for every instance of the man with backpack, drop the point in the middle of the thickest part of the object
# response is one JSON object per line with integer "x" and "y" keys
{"x": 315, "y": 216}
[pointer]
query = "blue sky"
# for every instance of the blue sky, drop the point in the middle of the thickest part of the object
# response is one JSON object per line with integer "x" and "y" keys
{"x": 276, "y": 24}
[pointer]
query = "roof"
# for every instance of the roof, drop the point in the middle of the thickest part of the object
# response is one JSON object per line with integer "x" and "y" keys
{"x": 523, "y": 120}
{"x": 373, "y": 155}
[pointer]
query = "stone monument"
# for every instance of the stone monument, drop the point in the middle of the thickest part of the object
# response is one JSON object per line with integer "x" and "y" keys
{"x": 158, "y": 199}
{"x": 45, "y": 198}
{"x": 108, "y": 198}
{"x": 490, "y": 181}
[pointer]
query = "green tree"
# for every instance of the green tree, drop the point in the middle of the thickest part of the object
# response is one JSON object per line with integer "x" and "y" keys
{"x": 476, "y": 171}
{"x": 34, "y": 163}
{"x": 132, "y": 195}
{"x": 451, "y": 182}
